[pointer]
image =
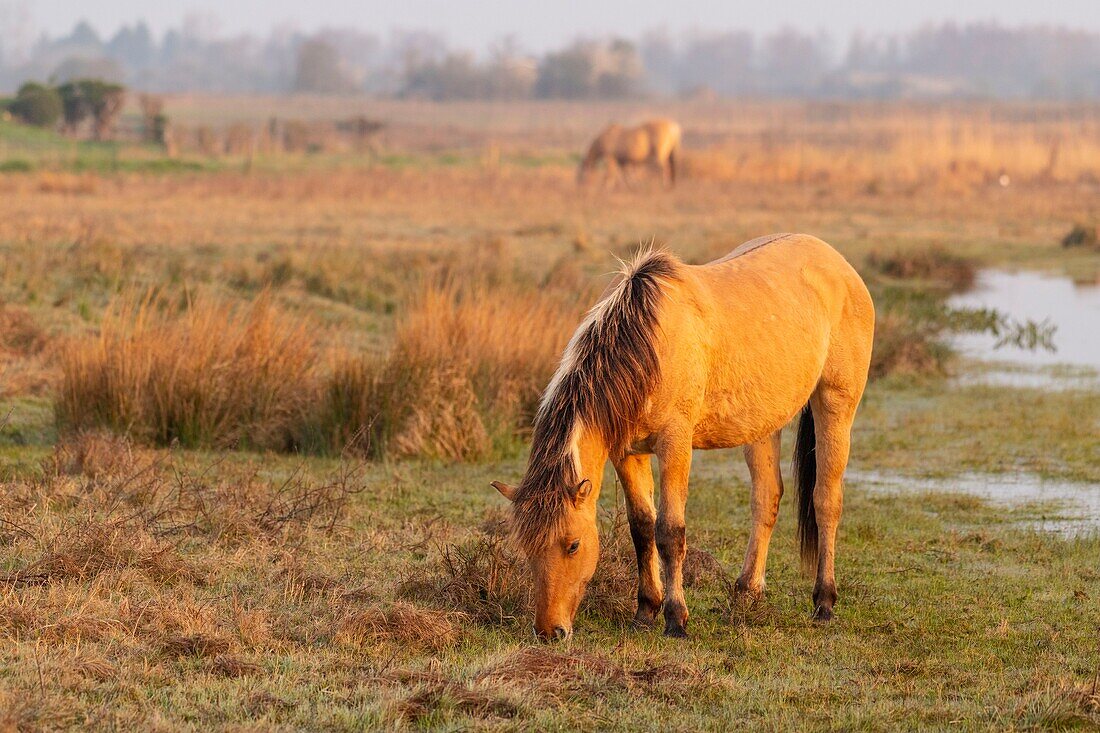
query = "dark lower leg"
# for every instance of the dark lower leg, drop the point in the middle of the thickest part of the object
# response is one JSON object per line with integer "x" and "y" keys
{"x": 637, "y": 480}
{"x": 672, "y": 545}
{"x": 674, "y": 453}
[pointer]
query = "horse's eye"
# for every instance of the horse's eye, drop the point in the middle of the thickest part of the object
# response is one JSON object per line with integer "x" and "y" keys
{"x": 576, "y": 545}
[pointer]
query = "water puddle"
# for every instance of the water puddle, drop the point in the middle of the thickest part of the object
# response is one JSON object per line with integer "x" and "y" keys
{"x": 1069, "y": 509}
{"x": 1023, "y": 296}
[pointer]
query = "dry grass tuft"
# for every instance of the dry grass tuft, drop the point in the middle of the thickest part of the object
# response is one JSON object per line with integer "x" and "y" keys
{"x": 19, "y": 333}
{"x": 194, "y": 645}
{"x": 95, "y": 668}
{"x": 483, "y": 578}
{"x": 250, "y": 507}
{"x": 701, "y": 568}
{"x": 537, "y": 664}
{"x": 403, "y": 623}
{"x": 92, "y": 453}
{"x": 92, "y": 547}
{"x": 463, "y": 377}
{"x": 935, "y": 266}
{"x": 747, "y": 611}
{"x": 262, "y": 702}
{"x": 25, "y": 367}
{"x": 474, "y": 703}
{"x": 227, "y": 665}
{"x": 211, "y": 375}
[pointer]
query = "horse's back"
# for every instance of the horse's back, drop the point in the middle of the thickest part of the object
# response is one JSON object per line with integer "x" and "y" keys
{"x": 754, "y": 331}
{"x": 785, "y": 261}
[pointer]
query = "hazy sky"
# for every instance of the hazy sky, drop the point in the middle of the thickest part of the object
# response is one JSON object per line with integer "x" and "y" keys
{"x": 542, "y": 23}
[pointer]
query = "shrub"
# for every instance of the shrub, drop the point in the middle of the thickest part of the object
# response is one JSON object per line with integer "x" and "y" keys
{"x": 905, "y": 347}
{"x": 37, "y": 105}
{"x": 1081, "y": 235}
{"x": 101, "y": 101}
{"x": 211, "y": 375}
{"x": 934, "y": 265}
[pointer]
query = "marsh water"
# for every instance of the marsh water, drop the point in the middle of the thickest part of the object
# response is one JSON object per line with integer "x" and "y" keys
{"x": 1064, "y": 507}
{"x": 1073, "y": 309}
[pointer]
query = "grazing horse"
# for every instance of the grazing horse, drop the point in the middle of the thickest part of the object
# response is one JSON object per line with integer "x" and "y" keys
{"x": 677, "y": 357}
{"x": 655, "y": 143}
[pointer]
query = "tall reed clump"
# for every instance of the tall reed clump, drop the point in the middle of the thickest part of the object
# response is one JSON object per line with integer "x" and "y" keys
{"x": 462, "y": 379}
{"x": 206, "y": 374}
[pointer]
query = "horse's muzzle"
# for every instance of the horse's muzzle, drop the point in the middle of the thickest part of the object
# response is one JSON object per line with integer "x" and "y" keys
{"x": 559, "y": 633}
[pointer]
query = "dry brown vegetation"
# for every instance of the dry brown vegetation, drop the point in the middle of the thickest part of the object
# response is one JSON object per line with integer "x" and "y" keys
{"x": 460, "y": 381}
{"x": 876, "y": 145}
{"x": 25, "y": 357}
{"x": 935, "y": 266}
{"x": 410, "y": 309}
{"x": 906, "y": 348}
{"x": 203, "y": 375}
{"x": 463, "y": 376}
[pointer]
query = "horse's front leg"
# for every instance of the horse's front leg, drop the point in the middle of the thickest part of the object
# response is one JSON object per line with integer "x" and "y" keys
{"x": 767, "y": 490}
{"x": 674, "y": 453}
{"x": 636, "y": 476}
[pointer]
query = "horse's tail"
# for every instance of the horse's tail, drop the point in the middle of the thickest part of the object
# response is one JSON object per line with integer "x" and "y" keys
{"x": 805, "y": 472}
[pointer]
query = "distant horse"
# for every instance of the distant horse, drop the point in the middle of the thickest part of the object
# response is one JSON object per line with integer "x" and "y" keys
{"x": 655, "y": 143}
{"x": 675, "y": 358}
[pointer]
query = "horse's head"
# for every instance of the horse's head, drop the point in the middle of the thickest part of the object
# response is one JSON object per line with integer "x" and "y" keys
{"x": 562, "y": 551}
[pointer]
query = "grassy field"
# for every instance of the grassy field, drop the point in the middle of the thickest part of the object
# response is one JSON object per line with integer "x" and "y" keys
{"x": 249, "y": 412}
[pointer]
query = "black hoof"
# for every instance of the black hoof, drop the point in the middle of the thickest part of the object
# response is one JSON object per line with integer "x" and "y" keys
{"x": 675, "y": 631}
{"x": 646, "y": 614}
{"x": 823, "y": 615}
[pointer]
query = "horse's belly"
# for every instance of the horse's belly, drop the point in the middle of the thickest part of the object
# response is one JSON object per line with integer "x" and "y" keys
{"x": 729, "y": 429}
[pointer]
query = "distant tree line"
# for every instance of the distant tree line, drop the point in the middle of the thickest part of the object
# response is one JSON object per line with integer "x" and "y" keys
{"x": 73, "y": 103}
{"x": 976, "y": 59}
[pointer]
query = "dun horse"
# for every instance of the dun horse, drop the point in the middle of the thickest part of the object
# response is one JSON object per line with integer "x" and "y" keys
{"x": 675, "y": 358}
{"x": 655, "y": 143}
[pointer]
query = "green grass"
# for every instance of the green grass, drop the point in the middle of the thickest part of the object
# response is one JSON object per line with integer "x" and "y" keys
{"x": 952, "y": 613}
{"x": 24, "y": 149}
{"x": 927, "y": 429}
{"x": 202, "y": 590}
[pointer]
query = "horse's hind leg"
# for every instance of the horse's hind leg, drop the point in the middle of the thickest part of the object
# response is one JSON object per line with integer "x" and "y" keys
{"x": 767, "y": 490}
{"x": 636, "y": 476}
{"x": 833, "y": 411}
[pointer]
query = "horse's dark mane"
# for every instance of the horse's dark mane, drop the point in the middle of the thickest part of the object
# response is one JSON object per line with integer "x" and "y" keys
{"x": 607, "y": 372}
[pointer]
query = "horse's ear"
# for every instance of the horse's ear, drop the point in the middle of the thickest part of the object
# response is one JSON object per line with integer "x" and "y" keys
{"x": 508, "y": 492}
{"x": 584, "y": 488}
